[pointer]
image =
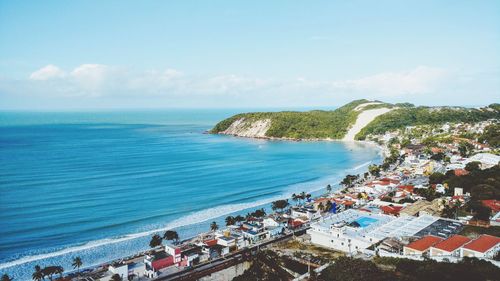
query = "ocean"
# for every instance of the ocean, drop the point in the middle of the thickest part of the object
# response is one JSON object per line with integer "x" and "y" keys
{"x": 99, "y": 184}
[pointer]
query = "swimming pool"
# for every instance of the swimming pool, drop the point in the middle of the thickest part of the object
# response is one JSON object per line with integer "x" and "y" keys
{"x": 365, "y": 221}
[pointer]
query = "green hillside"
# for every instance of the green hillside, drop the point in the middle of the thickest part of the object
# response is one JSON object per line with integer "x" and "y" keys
{"x": 411, "y": 116}
{"x": 334, "y": 124}
{"x": 302, "y": 125}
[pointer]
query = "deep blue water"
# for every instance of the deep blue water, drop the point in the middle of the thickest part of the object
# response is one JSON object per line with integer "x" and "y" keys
{"x": 97, "y": 185}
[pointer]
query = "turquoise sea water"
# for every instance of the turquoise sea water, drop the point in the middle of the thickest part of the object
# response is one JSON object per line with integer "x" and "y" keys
{"x": 99, "y": 184}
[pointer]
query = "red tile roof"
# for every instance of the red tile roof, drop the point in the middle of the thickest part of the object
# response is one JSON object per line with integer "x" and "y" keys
{"x": 483, "y": 243}
{"x": 408, "y": 188}
{"x": 452, "y": 243}
{"x": 424, "y": 243}
{"x": 494, "y": 205}
{"x": 210, "y": 242}
{"x": 461, "y": 172}
{"x": 393, "y": 210}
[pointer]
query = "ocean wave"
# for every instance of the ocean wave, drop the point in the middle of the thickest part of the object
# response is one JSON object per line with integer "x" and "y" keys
{"x": 190, "y": 219}
{"x": 362, "y": 165}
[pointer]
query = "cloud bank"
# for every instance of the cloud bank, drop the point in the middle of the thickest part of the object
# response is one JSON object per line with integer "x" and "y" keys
{"x": 88, "y": 84}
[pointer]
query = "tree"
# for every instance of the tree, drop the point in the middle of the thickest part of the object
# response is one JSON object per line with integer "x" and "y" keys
{"x": 350, "y": 269}
{"x": 239, "y": 218}
{"x": 295, "y": 197}
{"x": 77, "y": 263}
{"x": 51, "y": 270}
{"x": 280, "y": 205}
{"x": 321, "y": 207}
{"x": 230, "y": 220}
{"x": 171, "y": 235}
{"x": 116, "y": 277}
{"x": 436, "y": 178}
{"x": 6, "y": 277}
{"x": 329, "y": 188}
{"x": 328, "y": 206}
{"x": 491, "y": 135}
{"x": 473, "y": 166}
{"x": 374, "y": 170}
{"x": 465, "y": 148}
{"x": 59, "y": 270}
{"x": 38, "y": 274}
{"x": 214, "y": 226}
{"x": 303, "y": 195}
{"x": 155, "y": 241}
{"x": 348, "y": 180}
{"x": 259, "y": 213}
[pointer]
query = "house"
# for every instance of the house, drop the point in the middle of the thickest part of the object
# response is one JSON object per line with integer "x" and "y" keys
{"x": 156, "y": 261}
{"x": 485, "y": 246}
{"x": 421, "y": 246}
{"x": 449, "y": 247}
{"x": 391, "y": 210}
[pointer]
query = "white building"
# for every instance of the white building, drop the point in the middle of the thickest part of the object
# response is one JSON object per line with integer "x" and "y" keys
{"x": 485, "y": 246}
{"x": 354, "y": 230}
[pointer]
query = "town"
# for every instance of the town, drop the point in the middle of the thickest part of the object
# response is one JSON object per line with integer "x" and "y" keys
{"x": 435, "y": 197}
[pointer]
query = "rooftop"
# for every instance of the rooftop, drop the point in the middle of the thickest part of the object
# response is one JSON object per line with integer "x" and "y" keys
{"x": 424, "y": 243}
{"x": 452, "y": 243}
{"x": 483, "y": 243}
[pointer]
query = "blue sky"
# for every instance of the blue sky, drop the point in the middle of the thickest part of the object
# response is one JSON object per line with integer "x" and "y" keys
{"x": 142, "y": 54}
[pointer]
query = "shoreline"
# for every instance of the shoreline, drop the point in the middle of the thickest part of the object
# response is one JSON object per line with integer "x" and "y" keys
{"x": 331, "y": 178}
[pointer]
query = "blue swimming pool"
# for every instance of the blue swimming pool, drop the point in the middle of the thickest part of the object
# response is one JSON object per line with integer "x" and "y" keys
{"x": 365, "y": 221}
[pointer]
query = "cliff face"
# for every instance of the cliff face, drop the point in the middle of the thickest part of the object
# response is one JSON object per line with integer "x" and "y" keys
{"x": 248, "y": 128}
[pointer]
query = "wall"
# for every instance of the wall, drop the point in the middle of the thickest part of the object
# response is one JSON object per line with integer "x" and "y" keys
{"x": 228, "y": 273}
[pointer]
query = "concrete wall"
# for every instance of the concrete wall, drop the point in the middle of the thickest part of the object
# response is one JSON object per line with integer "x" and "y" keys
{"x": 227, "y": 274}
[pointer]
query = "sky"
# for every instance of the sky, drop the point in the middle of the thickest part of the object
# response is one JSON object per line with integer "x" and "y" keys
{"x": 68, "y": 55}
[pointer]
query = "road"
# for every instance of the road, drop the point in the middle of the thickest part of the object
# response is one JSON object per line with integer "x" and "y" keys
{"x": 229, "y": 260}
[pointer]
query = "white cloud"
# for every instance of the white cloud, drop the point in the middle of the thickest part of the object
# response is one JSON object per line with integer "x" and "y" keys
{"x": 420, "y": 80}
{"x": 92, "y": 82}
{"x": 47, "y": 72}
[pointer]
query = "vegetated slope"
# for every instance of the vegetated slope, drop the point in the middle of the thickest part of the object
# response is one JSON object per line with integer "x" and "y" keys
{"x": 315, "y": 124}
{"x": 410, "y": 116}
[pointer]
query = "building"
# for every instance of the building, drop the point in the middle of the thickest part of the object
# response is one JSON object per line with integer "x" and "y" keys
{"x": 485, "y": 246}
{"x": 421, "y": 246}
{"x": 449, "y": 247}
{"x": 354, "y": 230}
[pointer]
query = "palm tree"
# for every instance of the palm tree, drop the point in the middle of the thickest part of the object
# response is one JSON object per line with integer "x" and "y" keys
{"x": 308, "y": 196}
{"x": 328, "y": 206}
{"x": 77, "y": 263}
{"x": 302, "y": 195}
{"x": 239, "y": 218}
{"x": 50, "y": 271}
{"x": 155, "y": 241}
{"x": 295, "y": 198}
{"x": 321, "y": 207}
{"x": 116, "y": 277}
{"x": 59, "y": 270}
{"x": 214, "y": 226}
{"x": 171, "y": 235}
{"x": 329, "y": 188}
{"x": 38, "y": 274}
{"x": 6, "y": 277}
{"x": 230, "y": 220}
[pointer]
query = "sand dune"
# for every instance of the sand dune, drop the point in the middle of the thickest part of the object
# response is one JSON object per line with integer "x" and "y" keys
{"x": 364, "y": 118}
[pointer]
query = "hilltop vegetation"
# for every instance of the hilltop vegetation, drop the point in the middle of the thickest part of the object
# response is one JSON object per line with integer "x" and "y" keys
{"x": 402, "y": 117}
{"x": 302, "y": 125}
{"x": 334, "y": 124}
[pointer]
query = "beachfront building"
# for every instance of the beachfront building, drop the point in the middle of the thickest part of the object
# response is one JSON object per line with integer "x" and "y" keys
{"x": 485, "y": 246}
{"x": 354, "y": 230}
{"x": 449, "y": 247}
{"x": 421, "y": 246}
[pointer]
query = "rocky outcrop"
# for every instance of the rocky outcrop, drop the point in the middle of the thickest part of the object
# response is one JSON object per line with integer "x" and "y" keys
{"x": 247, "y": 128}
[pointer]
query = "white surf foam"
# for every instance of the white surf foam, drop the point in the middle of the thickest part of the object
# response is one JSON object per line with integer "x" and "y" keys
{"x": 190, "y": 219}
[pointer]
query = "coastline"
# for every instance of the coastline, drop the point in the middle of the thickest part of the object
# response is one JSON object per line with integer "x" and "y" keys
{"x": 317, "y": 187}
